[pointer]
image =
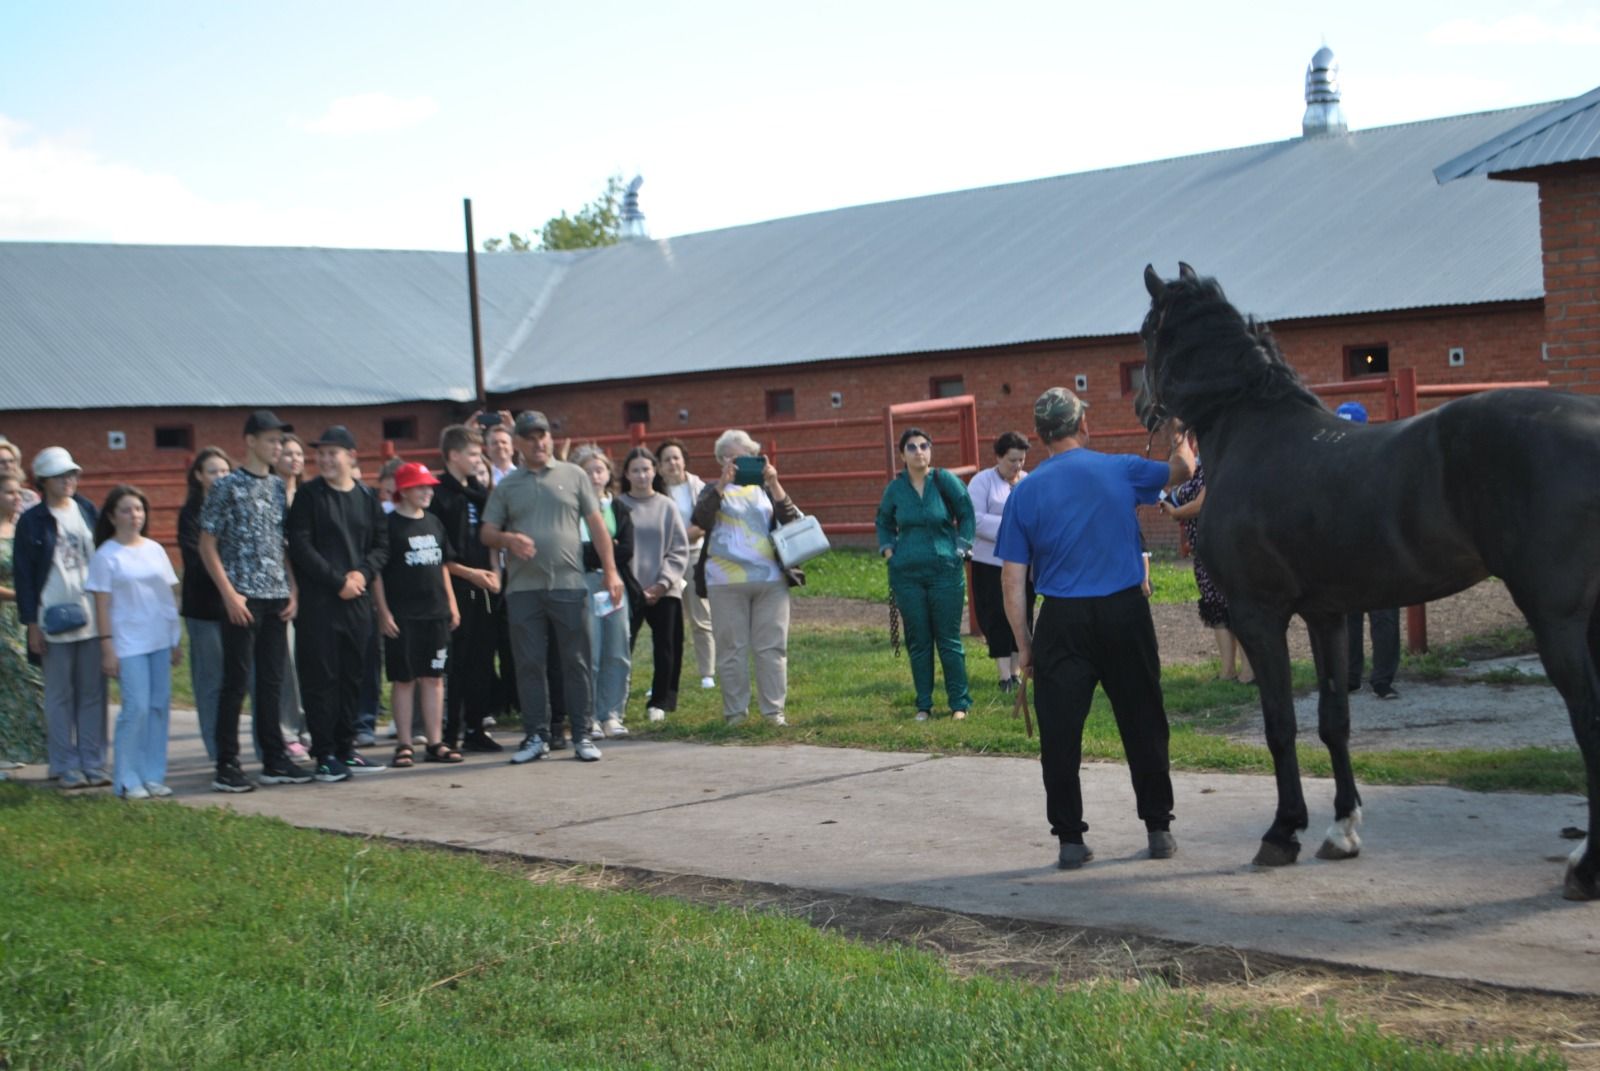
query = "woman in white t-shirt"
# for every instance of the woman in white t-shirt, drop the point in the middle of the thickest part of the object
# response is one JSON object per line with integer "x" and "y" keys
{"x": 672, "y": 461}
{"x": 136, "y": 599}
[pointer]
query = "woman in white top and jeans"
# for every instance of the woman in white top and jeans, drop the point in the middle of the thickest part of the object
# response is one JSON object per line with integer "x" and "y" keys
{"x": 684, "y": 487}
{"x": 748, "y": 588}
{"x": 136, "y": 600}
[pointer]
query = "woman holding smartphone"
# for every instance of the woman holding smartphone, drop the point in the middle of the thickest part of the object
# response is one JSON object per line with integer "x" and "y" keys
{"x": 739, "y": 574}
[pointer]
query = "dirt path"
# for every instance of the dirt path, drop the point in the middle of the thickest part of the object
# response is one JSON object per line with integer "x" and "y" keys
{"x": 1474, "y": 612}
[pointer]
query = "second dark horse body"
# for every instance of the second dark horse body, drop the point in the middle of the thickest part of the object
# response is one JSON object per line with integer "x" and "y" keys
{"x": 1310, "y": 515}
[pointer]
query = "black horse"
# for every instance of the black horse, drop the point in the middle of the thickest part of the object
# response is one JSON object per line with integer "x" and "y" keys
{"x": 1308, "y": 514}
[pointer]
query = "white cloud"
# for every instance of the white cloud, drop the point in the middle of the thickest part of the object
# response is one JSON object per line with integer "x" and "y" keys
{"x": 54, "y": 189}
{"x": 367, "y": 113}
{"x": 1517, "y": 30}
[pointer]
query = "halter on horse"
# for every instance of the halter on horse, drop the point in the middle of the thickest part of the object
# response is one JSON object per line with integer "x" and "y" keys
{"x": 1308, "y": 514}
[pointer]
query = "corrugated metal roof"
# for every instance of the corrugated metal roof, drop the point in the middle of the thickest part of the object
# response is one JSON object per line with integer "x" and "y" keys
{"x": 1307, "y": 227}
{"x": 98, "y": 326}
{"x": 1321, "y": 226}
{"x": 1568, "y": 132}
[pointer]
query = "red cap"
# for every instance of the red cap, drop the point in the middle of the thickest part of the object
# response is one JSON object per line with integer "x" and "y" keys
{"x": 412, "y": 474}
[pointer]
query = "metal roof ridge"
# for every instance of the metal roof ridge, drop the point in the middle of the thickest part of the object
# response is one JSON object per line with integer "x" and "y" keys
{"x": 1475, "y": 157}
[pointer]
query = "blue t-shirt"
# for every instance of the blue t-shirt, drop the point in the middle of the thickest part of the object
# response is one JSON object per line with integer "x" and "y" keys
{"x": 1073, "y": 520}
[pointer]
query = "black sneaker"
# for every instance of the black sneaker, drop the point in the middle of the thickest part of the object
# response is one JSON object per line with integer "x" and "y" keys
{"x": 330, "y": 769}
{"x": 481, "y": 741}
{"x": 1384, "y": 691}
{"x": 284, "y": 772}
{"x": 231, "y": 779}
{"x": 356, "y": 764}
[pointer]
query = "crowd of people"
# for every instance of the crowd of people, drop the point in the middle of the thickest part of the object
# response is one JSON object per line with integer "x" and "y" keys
{"x": 519, "y": 579}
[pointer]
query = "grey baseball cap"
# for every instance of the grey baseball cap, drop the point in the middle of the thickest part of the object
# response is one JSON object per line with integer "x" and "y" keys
{"x": 1057, "y": 413}
{"x": 530, "y": 423}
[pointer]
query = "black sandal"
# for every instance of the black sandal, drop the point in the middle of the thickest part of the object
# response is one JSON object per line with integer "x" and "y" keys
{"x": 402, "y": 757}
{"x": 441, "y": 753}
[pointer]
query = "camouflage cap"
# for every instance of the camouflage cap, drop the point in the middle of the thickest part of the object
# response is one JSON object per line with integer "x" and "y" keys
{"x": 1058, "y": 414}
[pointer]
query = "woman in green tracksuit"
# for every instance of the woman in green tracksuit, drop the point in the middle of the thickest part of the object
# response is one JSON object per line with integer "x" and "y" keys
{"x": 925, "y": 530}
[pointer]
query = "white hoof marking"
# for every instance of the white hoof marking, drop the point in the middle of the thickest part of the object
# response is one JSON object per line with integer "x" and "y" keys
{"x": 1342, "y": 834}
{"x": 1577, "y": 853}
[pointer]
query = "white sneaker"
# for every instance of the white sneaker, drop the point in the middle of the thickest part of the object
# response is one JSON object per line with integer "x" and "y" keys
{"x": 532, "y": 748}
{"x": 776, "y": 719}
{"x": 418, "y": 739}
{"x": 614, "y": 729}
{"x": 489, "y": 723}
{"x": 156, "y": 788}
{"x": 708, "y": 682}
{"x": 655, "y": 713}
{"x": 583, "y": 748}
{"x": 922, "y": 715}
{"x": 137, "y": 792}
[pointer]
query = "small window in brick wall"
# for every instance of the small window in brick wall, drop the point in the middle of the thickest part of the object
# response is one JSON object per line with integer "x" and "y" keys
{"x": 780, "y": 404}
{"x": 946, "y": 387}
{"x": 400, "y": 429}
{"x": 635, "y": 413}
{"x": 1132, "y": 373}
{"x": 175, "y": 437}
{"x": 1366, "y": 360}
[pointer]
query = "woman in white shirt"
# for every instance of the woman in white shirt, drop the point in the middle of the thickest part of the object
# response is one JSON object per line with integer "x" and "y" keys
{"x": 989, "y": 491}
{"x": 136, "y": 602}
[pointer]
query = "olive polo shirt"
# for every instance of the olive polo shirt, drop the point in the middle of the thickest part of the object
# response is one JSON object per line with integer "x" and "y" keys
{"x": 545, "y": 505}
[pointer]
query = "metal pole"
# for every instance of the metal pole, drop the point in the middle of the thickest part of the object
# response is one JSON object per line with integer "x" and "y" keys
{"x": 472, "y": 298}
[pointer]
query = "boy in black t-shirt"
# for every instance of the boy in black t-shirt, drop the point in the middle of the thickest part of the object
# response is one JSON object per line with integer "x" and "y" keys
{"x": 417, "y": 611}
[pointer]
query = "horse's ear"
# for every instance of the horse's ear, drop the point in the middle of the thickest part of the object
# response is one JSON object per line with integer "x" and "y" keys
{"x": 1186, "y": 273}
{"x": 1153, "y": 282}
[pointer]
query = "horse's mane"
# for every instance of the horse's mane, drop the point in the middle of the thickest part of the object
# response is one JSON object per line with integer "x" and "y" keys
{"x": 1213, "y": 358}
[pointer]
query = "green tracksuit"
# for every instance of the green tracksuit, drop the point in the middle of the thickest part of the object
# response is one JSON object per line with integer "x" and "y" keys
{"x": 928, "y": 576}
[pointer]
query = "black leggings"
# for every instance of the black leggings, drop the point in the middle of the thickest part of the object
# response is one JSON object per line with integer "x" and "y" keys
{"x": 988, "y": 602}
{"x": 666, "y": 645}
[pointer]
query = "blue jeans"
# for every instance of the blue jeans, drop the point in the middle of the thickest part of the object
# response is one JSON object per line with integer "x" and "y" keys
{"x": 141, "y": 737}
{"x": 609, "y": 650}
{"x": 205, "y": 676}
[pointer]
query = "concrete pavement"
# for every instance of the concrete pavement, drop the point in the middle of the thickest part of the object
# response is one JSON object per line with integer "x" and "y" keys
{"x": 1449, "y": 883}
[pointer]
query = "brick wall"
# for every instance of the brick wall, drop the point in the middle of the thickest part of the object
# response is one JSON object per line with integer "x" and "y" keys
{"x": 1502, "y": 342}
{"x": 1569, "y": 226}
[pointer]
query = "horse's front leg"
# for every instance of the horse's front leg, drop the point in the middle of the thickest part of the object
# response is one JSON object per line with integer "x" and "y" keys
{"x": 1264, "y": 637}
{"x": 1332, "y": 655}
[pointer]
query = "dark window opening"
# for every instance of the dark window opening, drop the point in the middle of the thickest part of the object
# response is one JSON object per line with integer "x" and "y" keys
{"x": 946, "y": 387}
{"x": 780, "y": 405}
{"x": 400, "y": 429}
{"x": 1132, "y": 376}
{"x": 635, "y": 413}
{"x": 175, "y": 437}
{"x": 1366, "y": 361}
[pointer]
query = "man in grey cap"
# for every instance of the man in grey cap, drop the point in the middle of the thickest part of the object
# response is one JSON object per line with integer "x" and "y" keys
{"x": 534, "y": 515}
{"x": 1072, "y": 521}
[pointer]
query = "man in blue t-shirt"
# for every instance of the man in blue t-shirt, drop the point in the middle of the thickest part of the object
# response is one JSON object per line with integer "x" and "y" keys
{"x": 1072, "y": 521}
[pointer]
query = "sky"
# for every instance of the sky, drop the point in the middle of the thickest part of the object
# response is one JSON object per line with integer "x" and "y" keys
{"x": 355, "y": 123}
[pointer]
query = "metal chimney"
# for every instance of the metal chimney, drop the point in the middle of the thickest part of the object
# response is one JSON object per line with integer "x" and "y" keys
{"x": 633, "y": 228}
{"x": 1323, "y": 113}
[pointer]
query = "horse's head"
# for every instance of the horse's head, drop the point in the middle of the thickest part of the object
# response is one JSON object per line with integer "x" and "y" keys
{"x": 1147, "y": 403}
{"x": 1203, "y": 357}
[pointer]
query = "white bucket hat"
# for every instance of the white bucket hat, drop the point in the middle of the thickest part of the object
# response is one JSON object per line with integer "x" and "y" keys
{"x": 54, "y": 461}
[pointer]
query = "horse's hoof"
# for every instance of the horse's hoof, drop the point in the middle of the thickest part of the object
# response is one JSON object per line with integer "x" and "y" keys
{"x": 1274, "y": 854}
{"x": 1330, "y": 850}
{"x": 1576, "y": 888}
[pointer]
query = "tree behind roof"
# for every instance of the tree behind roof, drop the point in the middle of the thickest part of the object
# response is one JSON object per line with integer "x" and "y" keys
{"x": 597, "y": 223}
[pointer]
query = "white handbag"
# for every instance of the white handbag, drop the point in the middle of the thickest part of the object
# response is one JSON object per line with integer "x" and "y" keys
{"x": 799, "y": 541}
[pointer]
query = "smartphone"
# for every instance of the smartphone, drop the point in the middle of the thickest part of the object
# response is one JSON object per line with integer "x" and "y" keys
{"x": 488, "y": 420}
{"x": 750, "y": 471}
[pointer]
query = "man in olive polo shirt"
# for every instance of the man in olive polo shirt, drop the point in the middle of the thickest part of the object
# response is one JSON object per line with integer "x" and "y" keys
{"x": 533, "y": 516}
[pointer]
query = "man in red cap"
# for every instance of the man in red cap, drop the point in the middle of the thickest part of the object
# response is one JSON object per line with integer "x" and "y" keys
{"x": 338, "y": 541}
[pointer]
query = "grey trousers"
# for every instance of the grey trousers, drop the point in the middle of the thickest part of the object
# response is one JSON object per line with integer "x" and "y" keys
{"x": 751, "y": 620}
{"x": 74, "y": 707}
{"x": 1385, "y": 647}
{"x": 532, "y": 615}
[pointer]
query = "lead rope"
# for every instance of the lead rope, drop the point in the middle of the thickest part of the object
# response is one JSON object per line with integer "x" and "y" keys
{"x": 1020, "y": 707}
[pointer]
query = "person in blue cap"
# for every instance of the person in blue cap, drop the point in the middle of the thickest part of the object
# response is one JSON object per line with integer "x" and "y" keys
{"x": 1385, "y": 623}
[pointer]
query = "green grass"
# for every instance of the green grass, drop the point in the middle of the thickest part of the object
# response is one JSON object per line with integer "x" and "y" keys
{"x": 846, "y": 689}
{"x": 159, "y": 936}
{"x": 859, "y": 573}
